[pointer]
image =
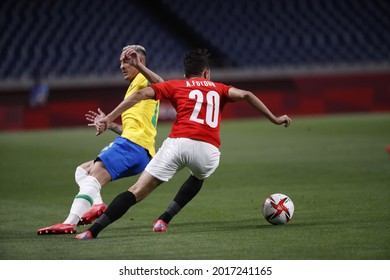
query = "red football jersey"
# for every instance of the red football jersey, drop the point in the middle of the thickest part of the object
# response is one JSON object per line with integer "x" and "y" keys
{"x": 198, "y": 103}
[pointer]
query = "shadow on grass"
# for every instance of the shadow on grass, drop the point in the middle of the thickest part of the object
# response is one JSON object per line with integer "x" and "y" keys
{"x": 212, "y": 227}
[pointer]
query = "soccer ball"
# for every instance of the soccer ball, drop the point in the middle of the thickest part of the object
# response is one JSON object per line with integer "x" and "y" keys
{"x": 278, "y": 209}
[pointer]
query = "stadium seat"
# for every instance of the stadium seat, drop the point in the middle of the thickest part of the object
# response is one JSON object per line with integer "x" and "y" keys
{"x": 69, "y": 38}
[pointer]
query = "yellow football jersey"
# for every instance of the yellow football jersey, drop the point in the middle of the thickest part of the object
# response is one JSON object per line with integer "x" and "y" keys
{"x": 139, "y": 123}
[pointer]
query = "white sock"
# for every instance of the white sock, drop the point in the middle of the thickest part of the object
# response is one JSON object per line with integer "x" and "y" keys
{"x": 98, "y": 199}
{"x": 80, "y": 174}
{"x": 89, "y": 188}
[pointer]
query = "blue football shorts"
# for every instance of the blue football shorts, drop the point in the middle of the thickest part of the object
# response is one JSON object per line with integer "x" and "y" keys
{"x": 123, "y": 158}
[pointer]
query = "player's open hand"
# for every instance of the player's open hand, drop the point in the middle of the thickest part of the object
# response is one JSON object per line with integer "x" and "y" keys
{"x": 94, "y": 117}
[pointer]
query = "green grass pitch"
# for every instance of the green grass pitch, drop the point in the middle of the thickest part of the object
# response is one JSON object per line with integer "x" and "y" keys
{"x": 335, "y": 169}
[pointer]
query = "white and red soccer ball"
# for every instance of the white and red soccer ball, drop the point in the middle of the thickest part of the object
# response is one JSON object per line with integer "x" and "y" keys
{"x": 278, "y": 209}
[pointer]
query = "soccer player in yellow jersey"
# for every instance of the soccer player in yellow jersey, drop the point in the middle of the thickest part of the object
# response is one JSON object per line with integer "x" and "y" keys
{"x": 128, "y": 155}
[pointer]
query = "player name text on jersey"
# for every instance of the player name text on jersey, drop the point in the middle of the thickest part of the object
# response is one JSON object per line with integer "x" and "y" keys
{"x": 192, "y": 83}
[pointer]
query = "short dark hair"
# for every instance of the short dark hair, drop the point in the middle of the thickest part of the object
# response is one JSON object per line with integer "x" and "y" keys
{"x": 195, "y": 62}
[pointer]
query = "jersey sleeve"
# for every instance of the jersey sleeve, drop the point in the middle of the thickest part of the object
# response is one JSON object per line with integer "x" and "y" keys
{"x": 162, "y": 90}
{"x": 225, "y": 93}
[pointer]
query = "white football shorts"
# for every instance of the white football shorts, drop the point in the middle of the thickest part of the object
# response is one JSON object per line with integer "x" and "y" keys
{"x": 200, "y": 157}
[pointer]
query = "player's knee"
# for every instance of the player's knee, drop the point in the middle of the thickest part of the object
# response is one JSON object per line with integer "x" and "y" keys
{"x": 87, "y": 166}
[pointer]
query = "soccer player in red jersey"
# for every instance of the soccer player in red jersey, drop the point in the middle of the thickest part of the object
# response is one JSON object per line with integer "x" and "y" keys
{"x": 193, "y": 142}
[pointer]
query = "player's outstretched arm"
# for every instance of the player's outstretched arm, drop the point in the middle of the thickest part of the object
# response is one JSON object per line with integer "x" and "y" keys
{"x": 138, "y": 96}
{"x": 238, "y": 95}
{"x": 135, "y": 60}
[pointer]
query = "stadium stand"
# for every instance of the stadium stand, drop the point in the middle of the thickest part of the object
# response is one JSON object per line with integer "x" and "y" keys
{"x": 70, "y": 38}
{"x": 302, "y": 57}
{"x": 285, "y": 32}
{"x": 78, "y": 38}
